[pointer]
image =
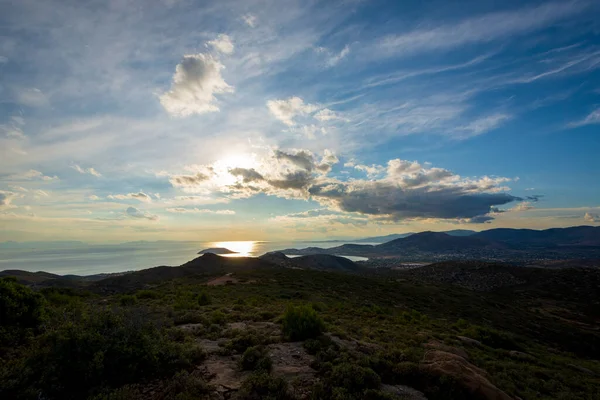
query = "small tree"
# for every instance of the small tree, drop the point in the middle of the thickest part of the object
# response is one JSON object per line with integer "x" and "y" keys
{"x": 302, "y": 322}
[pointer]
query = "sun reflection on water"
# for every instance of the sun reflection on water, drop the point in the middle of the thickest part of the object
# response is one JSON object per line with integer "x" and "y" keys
{"x": 241, "y": 248}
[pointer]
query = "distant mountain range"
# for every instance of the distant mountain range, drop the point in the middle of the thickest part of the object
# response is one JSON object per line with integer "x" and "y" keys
{"x": 394, "y": 236}
{"x": 576, "y": 240}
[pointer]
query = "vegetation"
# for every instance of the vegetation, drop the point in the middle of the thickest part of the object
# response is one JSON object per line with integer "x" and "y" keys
{"x": 359, "y": 334}
{"x": 302, "y": 322}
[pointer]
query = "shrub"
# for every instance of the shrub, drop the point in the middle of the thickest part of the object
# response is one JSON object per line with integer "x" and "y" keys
{"x": 255, "y": 358}
{"x": 204, "y": 299}
{"x": 243, "y": 340}
{"x": 128, "y": 300}
{"x": 354, "y": 378}
{"x": 147, "y": 294}
{"x": 262, "y": 386}
{"x": 185, "y": 386}
{"x": 103, "y": 350}
{"x": 21, "y": 312}
{"x": 302, "y": 322}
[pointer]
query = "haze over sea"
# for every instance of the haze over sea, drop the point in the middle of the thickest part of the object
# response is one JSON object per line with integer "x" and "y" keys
{"x": 88, "y": 259}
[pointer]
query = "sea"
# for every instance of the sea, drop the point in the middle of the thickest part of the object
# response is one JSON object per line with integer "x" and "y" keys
{"x": 90, "y": 259}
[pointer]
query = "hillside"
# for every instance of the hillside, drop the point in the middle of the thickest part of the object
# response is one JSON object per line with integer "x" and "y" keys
{"x": 322, "y": 262}
{"x": 241, "y": 328}
{"x": 437, "y": 242}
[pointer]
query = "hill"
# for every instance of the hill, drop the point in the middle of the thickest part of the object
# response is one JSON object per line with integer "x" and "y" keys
{"x": 447, "y": 331}
{"x": 437, "y": 242}
{"x": 323, "y": 262}
{"x": 555, "y": 237}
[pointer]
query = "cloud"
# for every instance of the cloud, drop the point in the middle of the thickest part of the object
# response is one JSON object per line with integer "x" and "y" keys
{"x": 250, "y": 20}
{"x": 480, "y": 125}
{"x": 400, "y": 190}
{"x": 41, "y": 193}
{"x": 222, "y": 44}
{"x": 90, "y": 171}
{"x": 136, "y": 213}
{"x": 93, "y": 197}
{"x": 31, "y": 97}
{"x": 183, "y": 210}
{"x": 3, "y": 60}
{"x": 5, "y": 199}
{"x": 141, "y": 196}
{"x": 247, "y": 174}
{"x": 592, "y": 119}
{"x": 286, "y": 110}
{"x": 591, "y": 217}
{"x": 196, "y": 81}
{"x": 336, "y": 58}
{"x": 480, "y": 29}
{"x": 33, "y": 174}
{"x": 523, "y": 206}
{"x": 327, "y": 115}
{"x": 186, "y": 181}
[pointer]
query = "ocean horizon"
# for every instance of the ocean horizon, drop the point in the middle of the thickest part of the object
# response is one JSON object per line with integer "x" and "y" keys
{"x": 75, "y": 258}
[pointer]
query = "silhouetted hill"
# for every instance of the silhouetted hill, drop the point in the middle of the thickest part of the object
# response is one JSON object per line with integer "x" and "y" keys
{"x": 437, "y": 241}
{"x": 323, "y": 262}
{"x": 574, "y": 236}
{"x": 216, "y": 250}
{"x": 394, "y": 236}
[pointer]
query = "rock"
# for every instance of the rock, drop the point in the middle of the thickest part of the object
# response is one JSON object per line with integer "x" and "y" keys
{"x": 403, "y": 392}
{"x": 223, "y": 373}
{"x": 469, "y": 341}
{"x": 435, "y": 345}
{"x": 583, "y": 369}
{"x": 472, "y": 378}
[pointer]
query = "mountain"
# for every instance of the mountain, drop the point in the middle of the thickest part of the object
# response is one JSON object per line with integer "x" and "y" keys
{"x": 217, "y": 250}
{"x": 436, "y": 242}
{"x": 394, "y": 236}
{"x": 574, "y": 236}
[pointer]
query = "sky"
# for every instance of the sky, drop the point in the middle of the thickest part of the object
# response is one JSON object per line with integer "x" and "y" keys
{"x": 283, "y": 120}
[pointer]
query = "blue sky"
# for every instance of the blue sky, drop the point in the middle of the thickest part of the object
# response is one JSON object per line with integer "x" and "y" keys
{"x": 225, "y": 120}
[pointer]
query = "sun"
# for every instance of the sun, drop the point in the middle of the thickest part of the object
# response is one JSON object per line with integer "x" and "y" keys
{"x": 229, "y": 162}
{"x": 239, "y": 160}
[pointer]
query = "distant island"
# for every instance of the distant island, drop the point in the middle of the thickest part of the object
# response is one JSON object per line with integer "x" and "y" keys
{"x": 217, "y": 250}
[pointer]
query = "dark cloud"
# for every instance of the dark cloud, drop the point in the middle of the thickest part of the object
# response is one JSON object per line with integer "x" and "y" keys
{"x": 302, "y": 159}
{"x": 248, "y": 174}
{"x": 293, "y": 180}
{"x": 188, "y": 180}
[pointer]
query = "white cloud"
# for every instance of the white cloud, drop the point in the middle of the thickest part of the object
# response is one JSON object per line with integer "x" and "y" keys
{"x": 90, "y": 171}
{"x": 327, "y": 115}
{"x": 196, "y": 81}
{"x": 31, "y": 97}
{"x": 480, "y": 29}
{"x": 93, "y": 197}
{"x": 480, "y": 125}
{"x": 287, "y": 109}
{"x": 592, "y": 119}
{"x": 33, "y": 174}
{"x": 591, "y": 217}
{"x": 41, "y": 193}
{"x": 336, "y": 58}
{"x": 250, "y": 20}
{"x": 523, "y": 206}
{"x": 222, "y": 44}
{"x": 183, "y": 210}
{"x": 5, "y": 199}
{"x": 141, "y": 196}
{"x": 136, "y": 213}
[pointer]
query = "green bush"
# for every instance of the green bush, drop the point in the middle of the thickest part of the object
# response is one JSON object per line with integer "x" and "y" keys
{"x": 128, "y": 300}
{"x": 203, "y": 299}
{"x": 22, "y": 312}
{"x": 147, "y": 294}
{"x": 256, "y": 358}
{"x": 262, "y": 386}
{"x": 104, "y": 350}
{"x": 354, "y": 378}
{"x": 302, "y": 322}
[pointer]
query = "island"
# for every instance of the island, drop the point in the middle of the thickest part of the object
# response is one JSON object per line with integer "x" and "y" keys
{"x": 217, "y": 250}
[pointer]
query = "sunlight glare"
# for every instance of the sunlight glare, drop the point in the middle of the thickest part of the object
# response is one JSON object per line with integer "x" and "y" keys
{"x": 242, "y": 248}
